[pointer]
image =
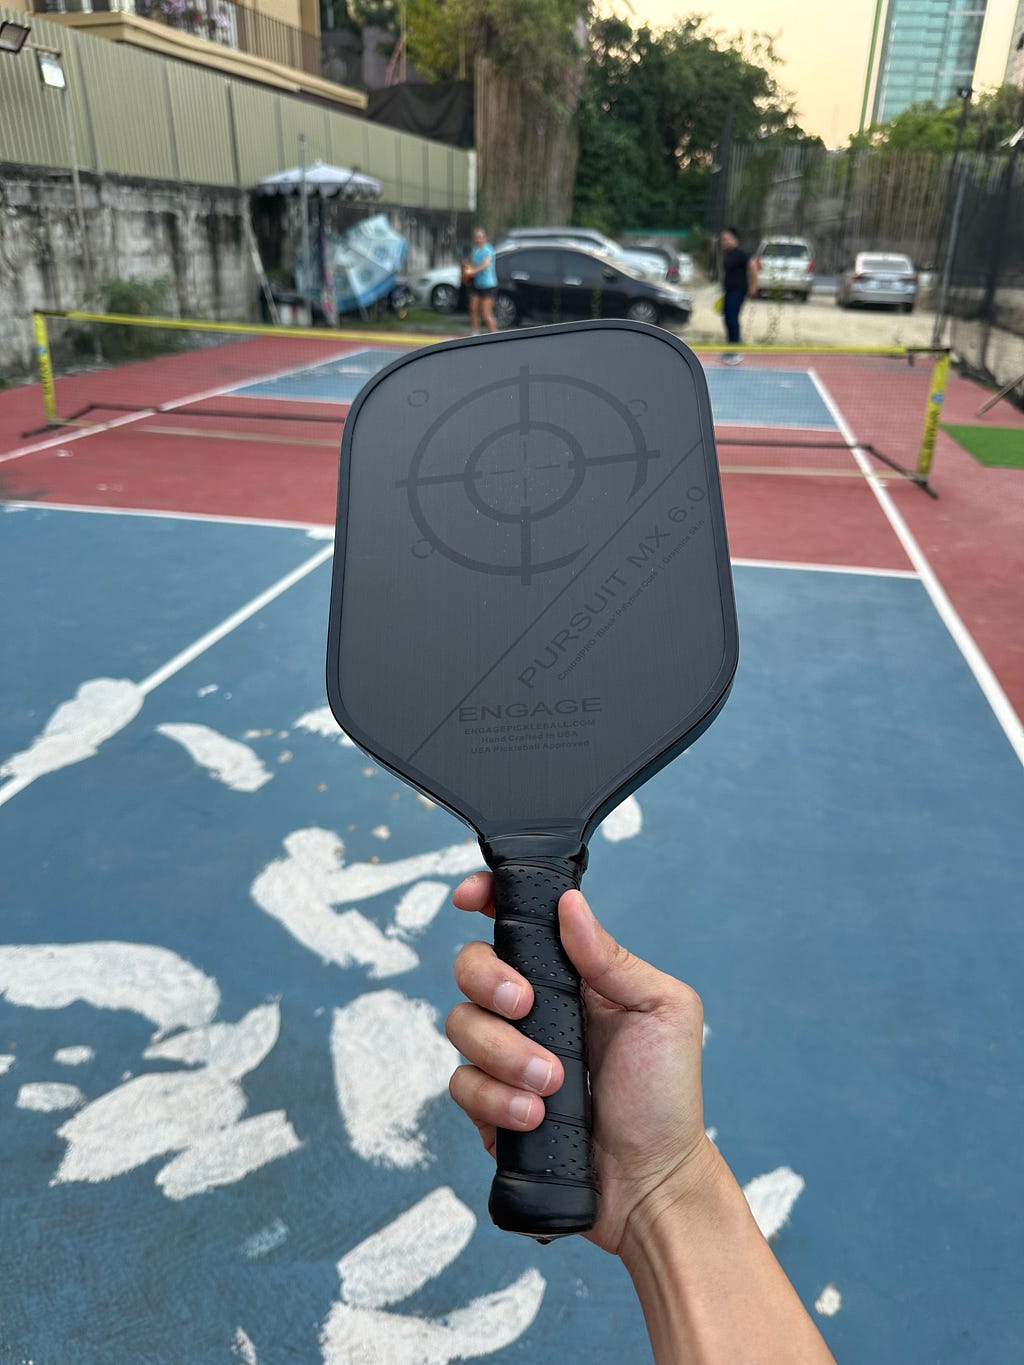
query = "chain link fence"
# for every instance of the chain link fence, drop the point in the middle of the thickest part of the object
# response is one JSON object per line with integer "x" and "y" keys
{"x": 985, "y": 302}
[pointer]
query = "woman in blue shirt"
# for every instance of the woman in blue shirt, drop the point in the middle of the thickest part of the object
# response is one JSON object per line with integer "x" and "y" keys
{"x": 481, "y": 282}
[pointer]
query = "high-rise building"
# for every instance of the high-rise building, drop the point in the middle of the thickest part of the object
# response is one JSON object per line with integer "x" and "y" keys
{"x": 929, "y": 48}
{"x": 1015, "y": 61}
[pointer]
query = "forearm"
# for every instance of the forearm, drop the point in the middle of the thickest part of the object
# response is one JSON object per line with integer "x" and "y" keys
{"x": 711, "y": 1290}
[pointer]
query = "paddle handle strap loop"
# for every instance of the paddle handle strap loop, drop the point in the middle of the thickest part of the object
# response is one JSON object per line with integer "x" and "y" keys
{"x": 544, "y": 1186}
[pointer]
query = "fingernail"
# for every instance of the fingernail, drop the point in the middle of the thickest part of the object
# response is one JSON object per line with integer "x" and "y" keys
{"x": 537, "y": 1074}
{"x": 507, "y": 997}
{"x": 521, "y": 1108}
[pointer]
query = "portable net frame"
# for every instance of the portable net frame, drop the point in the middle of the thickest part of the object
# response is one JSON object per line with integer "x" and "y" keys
{"x": 811, "y": 411}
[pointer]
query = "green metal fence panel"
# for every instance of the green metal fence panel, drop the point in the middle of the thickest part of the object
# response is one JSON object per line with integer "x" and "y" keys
{"x": 257, "y": 133}
{"x": 348, "y": 142}
{"x": 126, "y": 93}
{"x": 299, "y": 119}
{"x": 440, "y": 183}
{"x": 135, "y": 113}
{"x": 33, "y": 131}
{"x": 201, "y": 121}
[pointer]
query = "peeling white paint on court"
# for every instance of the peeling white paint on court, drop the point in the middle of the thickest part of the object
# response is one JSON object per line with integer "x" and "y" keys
{"x": 47, "y": 1097}
{"x": 399, "y": 1260}
{"x": 99, "y": 709}
{"x": 390, "y": 1061}
{"x": 393, "y": 1264}
{"x": 243, "y": 1349}
{"x": 418, "y": 907}
{"x": 486, "y": 1325}
{"x": 73, "y": 1056}
{"x": 151, "y": 981}
{"x": 624, "y": 822}
{"x": 234, "y": 1049}
{"x": 771, "y": 1198}
{"x": 322, "y": 722}
{"x": 301, "y": 891}
{"x": 7, "y": 1060}
{"x": 828, "y": 1302}
{"x": 266, "y": 1240}
{"x": 226, "y": 760}
{"x": 195, "y": 1115}
{"x": 227, "y": 1156}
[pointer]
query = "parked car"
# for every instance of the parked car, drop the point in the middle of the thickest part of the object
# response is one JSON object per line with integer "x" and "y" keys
{"x": 675, "y": 266}
{"x": 639, "y": 260}
{"x": 440, "y": 289}
{"x": 785, "y": 265}
{"x": 879, "y": 277}
{"x": 552, "y": 282}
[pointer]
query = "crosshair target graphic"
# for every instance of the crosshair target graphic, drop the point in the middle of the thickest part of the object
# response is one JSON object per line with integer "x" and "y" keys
{"x": 504, "y": 499}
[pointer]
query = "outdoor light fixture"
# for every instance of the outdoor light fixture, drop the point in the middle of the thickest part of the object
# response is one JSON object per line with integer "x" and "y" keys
{"x": 13, "y": 36}
{"x": 50, "y": 69}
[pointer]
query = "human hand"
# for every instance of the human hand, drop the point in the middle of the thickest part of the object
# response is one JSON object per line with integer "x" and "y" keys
{"x": 644, "y": 1035}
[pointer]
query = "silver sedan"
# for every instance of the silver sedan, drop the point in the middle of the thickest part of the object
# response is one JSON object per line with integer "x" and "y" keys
{"x": 879, "y": 277}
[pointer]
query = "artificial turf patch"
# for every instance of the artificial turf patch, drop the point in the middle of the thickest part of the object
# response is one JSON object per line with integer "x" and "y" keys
{"x": 1000, "y": 447}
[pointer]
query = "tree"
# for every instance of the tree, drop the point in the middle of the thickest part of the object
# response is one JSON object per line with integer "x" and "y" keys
{"x": 654, "y": 111}
{"x": 991, "y": 118}
{"x": 526, "y": 59}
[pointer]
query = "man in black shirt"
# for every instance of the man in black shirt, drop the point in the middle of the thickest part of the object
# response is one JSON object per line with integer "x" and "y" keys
{"x": 739, "y": 277}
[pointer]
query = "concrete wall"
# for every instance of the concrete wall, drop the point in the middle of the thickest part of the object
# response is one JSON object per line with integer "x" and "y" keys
{"x": 192, "y": 235}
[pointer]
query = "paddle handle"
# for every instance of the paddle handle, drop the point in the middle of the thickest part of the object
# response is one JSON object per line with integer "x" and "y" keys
{"x": 544, "y": 1186}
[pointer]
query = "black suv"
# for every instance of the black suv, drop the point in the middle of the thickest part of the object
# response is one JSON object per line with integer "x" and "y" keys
{"x": 554, "y": 283}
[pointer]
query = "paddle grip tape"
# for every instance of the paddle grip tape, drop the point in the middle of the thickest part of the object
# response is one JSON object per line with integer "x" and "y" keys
{"x": 544, "y": 1186}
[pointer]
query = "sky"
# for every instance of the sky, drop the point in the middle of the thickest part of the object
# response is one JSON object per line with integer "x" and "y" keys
{"x": 824, "y": 46}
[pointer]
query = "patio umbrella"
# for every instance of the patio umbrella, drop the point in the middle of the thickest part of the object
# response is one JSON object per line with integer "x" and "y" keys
{"x": 323, "y": 180}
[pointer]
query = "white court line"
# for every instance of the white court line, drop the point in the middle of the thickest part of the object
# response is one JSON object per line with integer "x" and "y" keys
{"x": 67, "y": 437}
{"x": 824, "y": 568}
{"x": 171, "y": 516}
{"x": 976, "y": 661}
{"x": 198, "y": 647}
{"x": 231, "y": 623}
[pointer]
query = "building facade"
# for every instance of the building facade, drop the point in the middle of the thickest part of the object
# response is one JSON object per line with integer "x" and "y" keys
{"x": 929, "y": 50}
{"x": 1015, "y": 60}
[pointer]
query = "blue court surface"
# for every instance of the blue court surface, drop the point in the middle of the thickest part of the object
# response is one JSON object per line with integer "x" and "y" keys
{"x": 763, "y": 398}
{"x": 335, "y": 381}
{"x": 227, "y": 944}
{"x": 768, "y": 398}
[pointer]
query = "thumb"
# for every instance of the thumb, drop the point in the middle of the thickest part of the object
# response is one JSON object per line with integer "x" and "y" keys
{"x": 604, "y": 964}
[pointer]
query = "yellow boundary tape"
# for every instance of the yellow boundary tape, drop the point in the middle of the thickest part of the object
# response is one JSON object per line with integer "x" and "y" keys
{"x": 758, "y": 349}
{"x": 245, "y": 328}
{"x": 939, "y": 381}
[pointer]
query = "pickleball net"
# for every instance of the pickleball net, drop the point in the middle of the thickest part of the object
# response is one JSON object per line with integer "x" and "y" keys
{"x": 828, "y": 411}
{"x": 203, "y": 378}
{"x": 825, "y": 412}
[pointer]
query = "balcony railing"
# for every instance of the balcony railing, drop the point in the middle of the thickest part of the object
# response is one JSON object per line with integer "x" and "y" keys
{"x": 218, "y": 21}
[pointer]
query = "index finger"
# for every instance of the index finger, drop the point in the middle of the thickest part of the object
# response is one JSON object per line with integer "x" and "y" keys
{"x": 476, "y": 893}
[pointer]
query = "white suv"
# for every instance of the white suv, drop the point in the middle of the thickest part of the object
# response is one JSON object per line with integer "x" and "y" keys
{"x": 785, "y": 265}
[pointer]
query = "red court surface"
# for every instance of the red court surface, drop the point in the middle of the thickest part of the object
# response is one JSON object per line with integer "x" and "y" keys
{"x": 968, "y": 542}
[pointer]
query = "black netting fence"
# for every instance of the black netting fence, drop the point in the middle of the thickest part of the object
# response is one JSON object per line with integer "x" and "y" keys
{"x": 985, "y": 301}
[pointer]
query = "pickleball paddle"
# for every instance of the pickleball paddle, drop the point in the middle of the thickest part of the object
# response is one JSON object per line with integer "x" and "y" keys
{"x": 531, "y": 613}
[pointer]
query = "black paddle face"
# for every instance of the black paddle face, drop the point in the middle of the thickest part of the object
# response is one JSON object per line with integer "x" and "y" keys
{"x": 531, "y": 612}
{"x": 532, "y": 604}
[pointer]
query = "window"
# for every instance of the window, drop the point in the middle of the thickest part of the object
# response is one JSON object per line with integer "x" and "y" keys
{"x": 535, "y": 262}
{"x": 583, "y": 270}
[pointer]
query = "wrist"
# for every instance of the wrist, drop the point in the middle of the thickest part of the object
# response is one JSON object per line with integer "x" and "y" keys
{"x": 695, "y": 1198}
{"x": 710, "y": 1288}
